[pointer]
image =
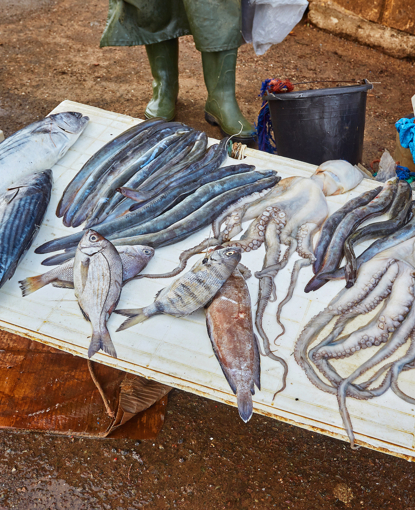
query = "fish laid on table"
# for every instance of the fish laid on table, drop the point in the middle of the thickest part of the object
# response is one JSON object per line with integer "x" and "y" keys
{"x": 195, "y": 212}
{"x": 98, "y": 163}
{"x": 134, "y": 259}
{"x": 230, "y": 328}
{"x": 97, "y": 277}
{"x": 334, "y": 253}
{"x": 191, "y": 291}
{"x": 124, "y": 166}
{"x": 22, "y": 209}
{"x": 39, "y": 145}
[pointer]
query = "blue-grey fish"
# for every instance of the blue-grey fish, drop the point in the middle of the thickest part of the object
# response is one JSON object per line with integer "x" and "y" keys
{"x": 39, "y": 145}
{"x": 191, "y": 291}
{"x": 22, "y": 208}
{"x": 134, "y": 259}
{"x": 97, "y": 277}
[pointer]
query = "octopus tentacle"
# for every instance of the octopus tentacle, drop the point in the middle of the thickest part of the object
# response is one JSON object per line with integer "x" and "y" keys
{"x": 378, "y": 329}
{"x": 266, "y": 288}
{"x": 236, "y": 211}
{"x": 398, "y": 338}
{"x": 253, "y": 238}
{"x": 397, "y": 368}
{"x": 369, "y": 278}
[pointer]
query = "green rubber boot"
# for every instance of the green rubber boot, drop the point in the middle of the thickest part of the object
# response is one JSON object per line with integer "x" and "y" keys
{"x": 164, "y": 63}
{"x": 221, "y": 108}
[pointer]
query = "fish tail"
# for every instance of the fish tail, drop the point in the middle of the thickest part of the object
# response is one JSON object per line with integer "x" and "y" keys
{"x": 245, "y": 406}
{"x": 101, "y": 340}
{"x": 135, "y": 316}
{"x": 31, "y": 284}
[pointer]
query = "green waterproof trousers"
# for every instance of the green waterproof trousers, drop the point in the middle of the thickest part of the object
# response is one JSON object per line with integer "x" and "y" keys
{"x": 214, "y": 24}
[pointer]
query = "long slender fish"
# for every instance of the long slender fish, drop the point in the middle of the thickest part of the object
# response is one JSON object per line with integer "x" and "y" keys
{"x": 334, "y": 254}
{"x": 174, "y": 158}
{"x": 230, "y": 329}
{"x": 191, "y": 291}
{"x": 98, "y": 161}
{"x": 38, "y": 146}
{"x": 202, "y": 196}
{"x": 398, "y": 236}
{"x": 190, "y": 224}
{"x": 97, "y": 278}
{"x": 123, "y": 167}
{"x": 333, "y": 221}
{"x": 134, "y": 259}
{"x": 22, "y": 209}
{"x": 398, "y": 214}
{"x": 94, "y": 178}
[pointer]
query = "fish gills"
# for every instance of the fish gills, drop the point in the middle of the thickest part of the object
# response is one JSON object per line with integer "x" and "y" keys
{"x": 230, "y": 328}
{"x": 191, "y": 291}
{"x": 97, "y": 275}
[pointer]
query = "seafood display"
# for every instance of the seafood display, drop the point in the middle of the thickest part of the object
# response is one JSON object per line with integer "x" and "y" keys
{"x": 385, "y": 285}
{"x": 334, "y": 252}
{"x": 191, "y": 291}
{"x": 133, "y": 258}
{"x": 97, "y": 278}
{"x": 157, "y": 184}
{"x": 38, "y": 146}
{"x": 22, "y": 209}
{"x": 230, "y": 329}
{"x": 193, "y": 213}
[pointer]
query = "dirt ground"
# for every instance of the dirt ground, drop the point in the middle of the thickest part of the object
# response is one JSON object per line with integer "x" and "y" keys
{"x": 205, "y": 457}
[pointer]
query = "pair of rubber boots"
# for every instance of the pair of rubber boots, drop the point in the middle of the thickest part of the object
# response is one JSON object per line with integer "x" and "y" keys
{"x": 221, "y": 108}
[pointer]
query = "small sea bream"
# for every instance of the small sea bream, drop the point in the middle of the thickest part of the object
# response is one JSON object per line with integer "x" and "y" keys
{"x": 134, "y": 259}
{"x": 97, "y": 277}
{"x": 230, "y": 328}
{"x": 191, "y": 291}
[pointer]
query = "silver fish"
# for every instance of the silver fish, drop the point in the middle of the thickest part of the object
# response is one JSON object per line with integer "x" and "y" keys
{"x": 191, "y": 291}
{"x": 39, "y": 145}
{"x": 97, "y": 277}
{"x": 134, "y": 259}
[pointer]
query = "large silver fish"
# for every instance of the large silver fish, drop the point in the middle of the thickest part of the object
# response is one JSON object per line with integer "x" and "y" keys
{"x": 134, "y": 259}
{"x": 39, "y": 145}
{"x": 22, "y": 208}
{"x": 191, "y": 291}
{"x": 97, "y": 277}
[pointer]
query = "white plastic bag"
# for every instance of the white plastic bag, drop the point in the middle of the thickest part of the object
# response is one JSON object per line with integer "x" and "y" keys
{"x": 268, "y": 22}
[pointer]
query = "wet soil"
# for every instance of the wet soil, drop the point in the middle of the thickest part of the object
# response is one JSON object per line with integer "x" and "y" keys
{"x": 205, "y": 457}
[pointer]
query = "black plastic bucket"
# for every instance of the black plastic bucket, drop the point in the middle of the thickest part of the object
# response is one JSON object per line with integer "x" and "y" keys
{"x": 318, "y": 125}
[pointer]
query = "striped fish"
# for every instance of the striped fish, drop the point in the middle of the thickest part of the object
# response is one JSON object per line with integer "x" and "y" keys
{"x": 191, "y": 291}
{"x": 22, "y": 208}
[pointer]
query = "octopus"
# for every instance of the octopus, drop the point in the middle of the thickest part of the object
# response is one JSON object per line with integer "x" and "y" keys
{"x": 288, "y": 214}
{"x": 385, "y": 285}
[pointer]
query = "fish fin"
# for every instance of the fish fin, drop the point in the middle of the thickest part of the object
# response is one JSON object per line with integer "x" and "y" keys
{"x": 257, "y": 362}
{"x": 84, "y": 272}
{"x": 86, "y": 316}
{"x": 158, "y": 293}
{"x": 31, "y": 284}
{"x": 135, "y": 316}
{"x": 101, "y": 340}
{"x": 245, "y": 406}
{"x": 10, "y": 194}
{"x": 63, "y": 285}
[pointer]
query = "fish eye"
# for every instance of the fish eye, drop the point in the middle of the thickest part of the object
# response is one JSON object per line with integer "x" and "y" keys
{"x": 230, "y": 253}
{"x": 147, "y": 252}
{"x": 204, "y": 261}
{"x": 93, "y": 238}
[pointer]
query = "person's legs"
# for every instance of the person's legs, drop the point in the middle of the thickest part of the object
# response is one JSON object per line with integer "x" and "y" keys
{"x": 164, "y": 62}
{"x": 221, "y": 106}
